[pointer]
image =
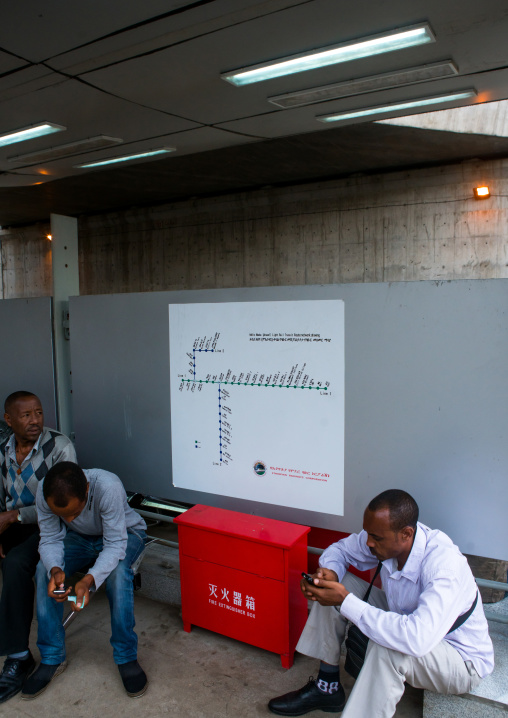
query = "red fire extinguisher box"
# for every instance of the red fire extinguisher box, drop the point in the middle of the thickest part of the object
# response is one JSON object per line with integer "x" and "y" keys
{"x": 240, "y": 576}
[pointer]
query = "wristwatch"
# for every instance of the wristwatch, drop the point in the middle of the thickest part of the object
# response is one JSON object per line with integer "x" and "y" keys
{"x": 18, "y": 518}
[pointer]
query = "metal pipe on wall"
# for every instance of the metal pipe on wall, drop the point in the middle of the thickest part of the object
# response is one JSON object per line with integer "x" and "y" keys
{"x": 152, "y": 515}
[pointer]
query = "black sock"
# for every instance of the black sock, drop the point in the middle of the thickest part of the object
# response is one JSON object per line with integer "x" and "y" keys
{"x": 328, "y": 680}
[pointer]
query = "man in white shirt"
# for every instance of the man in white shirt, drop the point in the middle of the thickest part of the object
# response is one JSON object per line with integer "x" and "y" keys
{"x": 412, "y": 624}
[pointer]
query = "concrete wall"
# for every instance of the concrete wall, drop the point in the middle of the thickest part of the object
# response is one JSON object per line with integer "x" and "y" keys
{"x": 25, "y": 263}
{"x": 485, "y": 118}
{"x": 401, "y": 226}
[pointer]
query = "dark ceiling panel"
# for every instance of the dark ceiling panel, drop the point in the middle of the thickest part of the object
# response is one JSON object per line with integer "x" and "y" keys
{"x": 38, "y": 30}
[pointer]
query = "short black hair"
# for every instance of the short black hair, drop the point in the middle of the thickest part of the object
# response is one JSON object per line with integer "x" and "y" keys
{"x": 401, "y": 505}
{"x": 12, "y": 398}
{"x": 64, "y": 481}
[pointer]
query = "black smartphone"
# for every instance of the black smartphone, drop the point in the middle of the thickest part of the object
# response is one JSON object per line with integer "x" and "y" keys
{"x": 60, "y": 591}
{"x": 309, "y": 579}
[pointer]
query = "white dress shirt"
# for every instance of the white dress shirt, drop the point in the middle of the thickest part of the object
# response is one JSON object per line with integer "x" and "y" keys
{"x": 434, "y": 587}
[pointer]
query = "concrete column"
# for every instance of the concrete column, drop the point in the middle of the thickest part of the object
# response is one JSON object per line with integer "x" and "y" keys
{"x": 1, "y": 266}
{"x": 64, "y": 246}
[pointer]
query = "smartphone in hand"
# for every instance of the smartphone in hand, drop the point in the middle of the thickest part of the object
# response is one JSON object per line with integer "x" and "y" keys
{"x": 309, "y": 579}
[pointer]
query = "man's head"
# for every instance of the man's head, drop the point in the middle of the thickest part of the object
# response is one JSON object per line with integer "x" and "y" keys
{"x": 390, "y": 522}
{"x": 65, "y": 489}
{"x": 23, "y": 413}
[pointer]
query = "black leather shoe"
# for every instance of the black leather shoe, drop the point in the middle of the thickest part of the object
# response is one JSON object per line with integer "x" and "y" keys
{"x": 40, "y": 679}
{"x": 309, "y": 698}
{"x": 13, "y": 675}
{"x": 134, "y": 679}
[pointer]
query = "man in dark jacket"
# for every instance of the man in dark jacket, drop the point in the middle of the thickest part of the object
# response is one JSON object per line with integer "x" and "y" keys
{"x": 26, "y": 455}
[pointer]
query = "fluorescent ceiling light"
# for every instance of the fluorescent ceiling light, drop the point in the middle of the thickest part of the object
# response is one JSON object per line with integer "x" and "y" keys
{"x": 398, "y": 106}
{"x": 345, "y": 52}
{"x": 30, "y": 133}
{"x": 384, "y": 81}
{"x": 127, "y": 158}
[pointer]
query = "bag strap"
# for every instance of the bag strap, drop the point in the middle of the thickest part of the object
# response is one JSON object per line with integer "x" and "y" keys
{"x": 462, "y": 619}
{"x": 378, "y": 569}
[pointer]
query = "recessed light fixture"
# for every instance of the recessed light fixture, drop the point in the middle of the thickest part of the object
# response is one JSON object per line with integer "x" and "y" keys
{"x": 399, "y": 39}
{"x": 29, "y": 133}
{"x": 481, "y": 192}
{"x": 361, "y": 85}
{"x": 54, "y": 153}
{"x": 127, "y": 158}
{"x": 398, "y": 106}
{"x": 49, "y": 236}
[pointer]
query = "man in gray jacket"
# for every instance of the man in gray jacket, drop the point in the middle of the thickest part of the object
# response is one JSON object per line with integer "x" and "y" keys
{"x": 84, "y": 519}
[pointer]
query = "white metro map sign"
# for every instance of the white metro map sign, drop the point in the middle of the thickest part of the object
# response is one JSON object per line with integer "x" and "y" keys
{"x": 257, "y": 401}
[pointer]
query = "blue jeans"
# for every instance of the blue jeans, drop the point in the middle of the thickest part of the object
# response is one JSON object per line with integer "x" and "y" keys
{"x": 80, "y": 552}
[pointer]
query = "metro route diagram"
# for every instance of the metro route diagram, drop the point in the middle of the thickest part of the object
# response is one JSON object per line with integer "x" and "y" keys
{"x": 257, "y": 400}
{"x": 295, "y": 377}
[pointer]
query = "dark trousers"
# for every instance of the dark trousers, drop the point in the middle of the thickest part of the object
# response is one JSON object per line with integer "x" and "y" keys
{"x": 20, "y": 544}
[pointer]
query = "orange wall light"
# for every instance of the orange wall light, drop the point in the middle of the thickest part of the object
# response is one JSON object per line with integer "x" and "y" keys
{"x": 481, "y": 192}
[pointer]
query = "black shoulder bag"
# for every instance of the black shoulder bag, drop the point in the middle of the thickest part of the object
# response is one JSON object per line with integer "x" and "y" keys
{"x": 356, "y": 641}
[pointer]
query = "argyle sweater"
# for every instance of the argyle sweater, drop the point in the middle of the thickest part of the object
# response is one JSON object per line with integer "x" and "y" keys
{"x": 5, "y": 432}
{"x": 18, "y": 484}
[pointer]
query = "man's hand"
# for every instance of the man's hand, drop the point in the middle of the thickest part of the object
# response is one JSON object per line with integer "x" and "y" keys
{"x": 2, "y": 555}
{"x": 57, "y": 580}
{"x": 7, "y": 518}
{"x": 326, "y": 589}
{"x": 322, "y": 573}
{"x": 82, "y": 589}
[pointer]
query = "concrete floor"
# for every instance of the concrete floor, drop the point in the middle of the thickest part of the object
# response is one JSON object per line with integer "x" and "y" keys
{"x": 199, "y": 674}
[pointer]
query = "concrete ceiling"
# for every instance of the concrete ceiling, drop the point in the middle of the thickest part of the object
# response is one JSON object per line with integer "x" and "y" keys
{"x": 148, "y": 74}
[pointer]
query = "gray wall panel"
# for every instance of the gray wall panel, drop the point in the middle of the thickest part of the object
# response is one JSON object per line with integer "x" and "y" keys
{"x": 26, "y": 351}
{"x": 426, "y": 378}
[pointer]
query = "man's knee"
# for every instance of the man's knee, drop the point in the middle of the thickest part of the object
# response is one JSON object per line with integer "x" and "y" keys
{"x": 396, "y": 660}
{"x": 354, "y": 584}
{"x": 17, "y": 564}
{"x": 120, "y": 579}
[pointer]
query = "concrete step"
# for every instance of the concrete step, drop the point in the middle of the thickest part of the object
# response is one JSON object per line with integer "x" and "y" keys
{"x": 489, "y": 700}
